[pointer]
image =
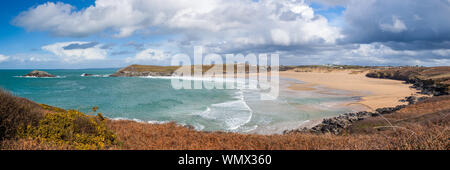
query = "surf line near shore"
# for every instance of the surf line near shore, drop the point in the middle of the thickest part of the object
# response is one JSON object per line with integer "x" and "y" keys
{"x": 375, "y": 93}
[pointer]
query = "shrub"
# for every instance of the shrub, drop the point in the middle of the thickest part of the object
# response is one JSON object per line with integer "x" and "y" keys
{"x": 71, "y": 128}
{"x": 16, "y": 112}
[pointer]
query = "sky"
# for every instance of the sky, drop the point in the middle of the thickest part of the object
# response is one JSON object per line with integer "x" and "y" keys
{"x": 69, "y": 34}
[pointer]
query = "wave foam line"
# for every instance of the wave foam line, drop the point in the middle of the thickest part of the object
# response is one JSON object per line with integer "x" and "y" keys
{"x": 35, "y": 77}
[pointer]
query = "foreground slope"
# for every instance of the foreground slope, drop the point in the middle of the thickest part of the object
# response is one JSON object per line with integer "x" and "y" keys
{"x": 419, "y": 126}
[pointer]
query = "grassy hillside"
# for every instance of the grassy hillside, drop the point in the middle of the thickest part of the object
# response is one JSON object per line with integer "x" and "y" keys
{"x": 146, "y": 70}
{"x": 430, "y": 80}
{"x": 28, "y": 125}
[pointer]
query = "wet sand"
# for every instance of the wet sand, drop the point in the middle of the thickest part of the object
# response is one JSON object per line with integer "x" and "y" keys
{"x": 374, "y": 93}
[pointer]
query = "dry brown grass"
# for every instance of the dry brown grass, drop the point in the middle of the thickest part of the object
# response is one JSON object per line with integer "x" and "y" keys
{"x": 420, "y": 126}
{"x": 30, "y": 144}
{"x": 16, "y": 112}
{"x": 26, "y": 125}
{"x": 143, "y": 136}
{"x": 417, "y": 127}
{"x": 424, "y": 125}
{"x": 172, "y": 69}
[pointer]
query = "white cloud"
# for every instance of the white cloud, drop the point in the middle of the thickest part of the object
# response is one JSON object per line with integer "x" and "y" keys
{"x": 290, "y": 27}
{"x": 148, "y": 55}
{"x": 380, "y": 50}
{"x": 396, "y": 26}
{"x": 280, "y": 37}
{"x": 4, "y": 58}
{"x": 76, "y": 55}
{"x": 373, "y": 54}
{"x": 442, "y": 52}
{"x": 331, "y": 3}
{"x": 201, "y": 19}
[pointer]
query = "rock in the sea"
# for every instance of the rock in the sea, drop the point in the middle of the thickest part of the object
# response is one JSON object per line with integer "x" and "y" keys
{"x": 86, "y": 75}
{"x": 37, "y": 73}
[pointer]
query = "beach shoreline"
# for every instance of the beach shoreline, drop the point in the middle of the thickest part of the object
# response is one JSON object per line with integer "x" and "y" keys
{"x": 374, "y": 93}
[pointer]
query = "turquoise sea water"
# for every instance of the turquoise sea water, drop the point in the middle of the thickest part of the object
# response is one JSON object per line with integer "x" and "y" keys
{"x": 154, "y": 100}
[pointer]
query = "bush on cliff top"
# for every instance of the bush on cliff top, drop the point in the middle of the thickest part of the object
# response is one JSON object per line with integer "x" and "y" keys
{"x": 16, "y": 112}
{"x": 21, "y": 119}
{"x": 71, "y": 128}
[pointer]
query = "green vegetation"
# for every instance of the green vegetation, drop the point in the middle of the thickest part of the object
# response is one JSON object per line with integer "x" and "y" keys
{"x": 430, "y": 80}
{"x": 52, "y": 127}
{"x": 71, "y": 128}
{"x": 150, "y": 70}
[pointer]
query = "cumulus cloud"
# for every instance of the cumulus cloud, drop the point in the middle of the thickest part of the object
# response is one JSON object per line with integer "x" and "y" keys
{"x": 149, "y": 55}
{"x": 81, "y": 53}
{"x": 442, "y": 52}
{"x": 369, "y": 54}
{"x": 197, "y": 19}
{"x": 3, "y": 58}
{"x": 371, "y": 32}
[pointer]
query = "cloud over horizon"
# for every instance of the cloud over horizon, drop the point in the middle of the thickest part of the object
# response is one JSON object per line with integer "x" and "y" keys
{"x": 370, "y": 32}
{"x": 3, "y": 58}
{"x": 77, "y": 52}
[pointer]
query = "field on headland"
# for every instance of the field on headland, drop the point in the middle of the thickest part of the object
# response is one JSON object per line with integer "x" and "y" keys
{"x": 422, "y": 125}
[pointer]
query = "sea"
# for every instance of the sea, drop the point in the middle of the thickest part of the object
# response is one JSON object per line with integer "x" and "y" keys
{"x": 154, "y": 100}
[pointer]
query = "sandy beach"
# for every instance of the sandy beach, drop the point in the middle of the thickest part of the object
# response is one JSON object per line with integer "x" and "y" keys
{"x": 374, "y": 93}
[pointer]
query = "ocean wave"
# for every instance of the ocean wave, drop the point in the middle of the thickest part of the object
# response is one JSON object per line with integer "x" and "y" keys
{"x": 35, "y": 77}
{"x": 234, "y": 114}
{"x": 94, "y": 75}
{"x": 213, "y": 79}
{"x": 141, "y": 121}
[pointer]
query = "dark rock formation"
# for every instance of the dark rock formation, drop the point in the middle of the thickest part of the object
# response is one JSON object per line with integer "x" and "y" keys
{"x": 86, "y": 75}
{"x": 429, "y": 80}
{"x": 336, "y": 125}
{"x": 413, "y": 99}
{"x": 37, "y": 73}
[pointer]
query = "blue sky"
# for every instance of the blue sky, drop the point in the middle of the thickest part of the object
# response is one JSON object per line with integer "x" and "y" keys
{"x": 116, "y": 33}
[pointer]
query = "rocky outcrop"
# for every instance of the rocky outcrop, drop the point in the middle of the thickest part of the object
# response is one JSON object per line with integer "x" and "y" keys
{"x": 429, "y": 80}
{"x": 86, "y": 75}
{"x": 37, "y": 73}
{"x": 144, "y": 70}
{"x": 336, "y": 125}
{"x": 413, "y": 99}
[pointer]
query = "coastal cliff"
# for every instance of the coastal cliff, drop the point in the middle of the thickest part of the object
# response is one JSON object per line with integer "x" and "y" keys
{"x": 145, "y": 70}
{"x": 423, "y": 125}
{"x": 150, "y": 70}
{"x": 429, "y": 80}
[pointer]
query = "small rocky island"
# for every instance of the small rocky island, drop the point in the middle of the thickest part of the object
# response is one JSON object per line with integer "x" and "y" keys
{"x": 37, "y": 73}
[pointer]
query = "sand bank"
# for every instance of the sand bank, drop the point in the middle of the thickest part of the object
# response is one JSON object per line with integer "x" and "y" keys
{"x": 375, "y": 93}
